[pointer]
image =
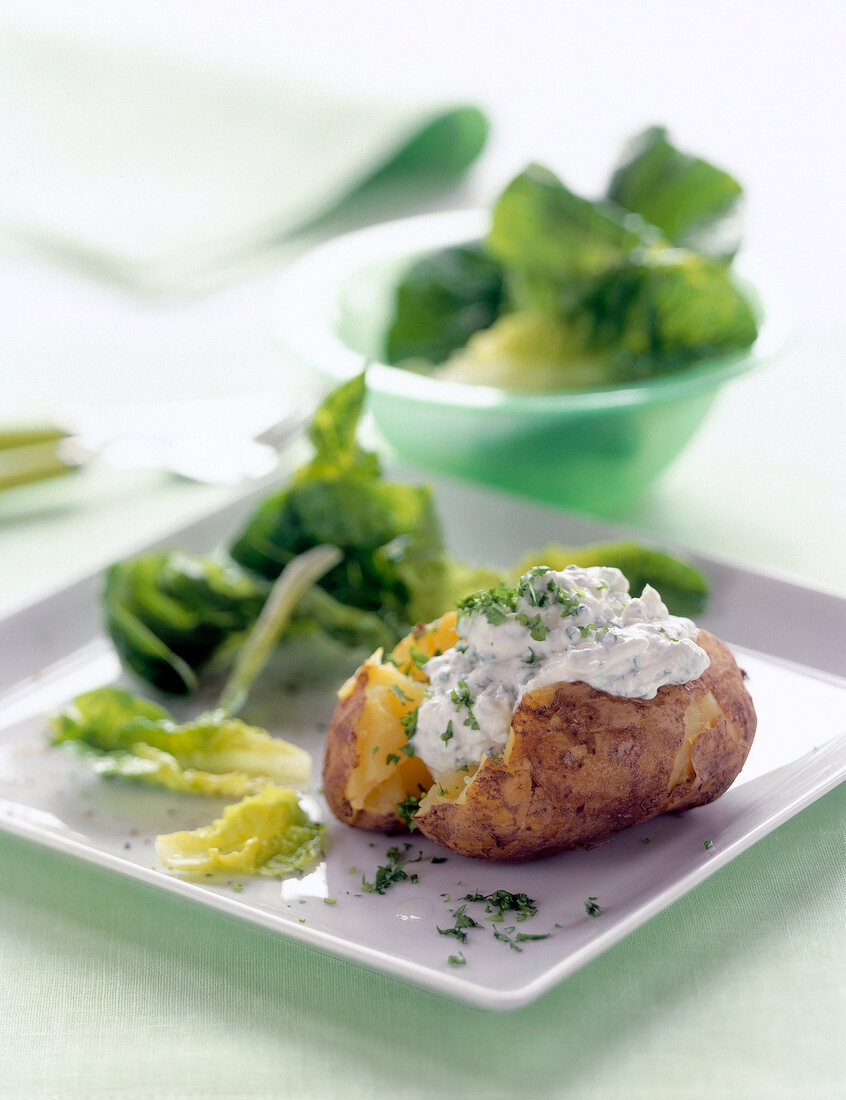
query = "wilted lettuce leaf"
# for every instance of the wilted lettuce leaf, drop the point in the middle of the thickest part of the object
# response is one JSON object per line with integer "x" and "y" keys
{"x": 266, "y": 834}
{"x": 684, "y": 196}
{"x": 441, "y": 301}
{"x": 125, "y": 736}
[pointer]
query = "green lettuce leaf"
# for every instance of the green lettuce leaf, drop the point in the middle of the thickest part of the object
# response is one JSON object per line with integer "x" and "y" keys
{"x": 664, "y": 309}
{"x": 550, "y": 240}
{"x": 682, "y": 586}
{"x": 173, "y": 616}
{"x": 441, "y": 300}
{"x": 125, "y": 736}
{"x": 687, "y": 198}
{"x": 168, "y": 613}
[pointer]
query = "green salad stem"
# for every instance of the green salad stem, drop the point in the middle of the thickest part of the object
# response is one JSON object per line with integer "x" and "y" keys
{"x": 294, "y": 581}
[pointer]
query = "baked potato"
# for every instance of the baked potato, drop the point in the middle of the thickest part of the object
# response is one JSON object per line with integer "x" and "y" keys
{"x": 579, "y": 764}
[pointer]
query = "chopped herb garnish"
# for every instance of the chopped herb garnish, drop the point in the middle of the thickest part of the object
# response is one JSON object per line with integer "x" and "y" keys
{"x": 592, "y": 907}
{"x": 537, "y": 627}
{"x": 330, "y": 901}
{"x": 709, "y": 844}
{"x": 409, "y": 722}
{"x": 462, "y": 923}
{"x": 407, "y": 808}
{"x": 400, "y": 694}
{"x": 495, "y": 604}
{"x": 462, "y": 698}
{"x": 418, "y": 657}
{"x": 391, "y": 872}
{"x": 447, "y": 734}
{"x": 407, "y": 749}
{"x": 457, "y": 960}
{"x": 503, "y": 901}
{"x": 392, "y": 758}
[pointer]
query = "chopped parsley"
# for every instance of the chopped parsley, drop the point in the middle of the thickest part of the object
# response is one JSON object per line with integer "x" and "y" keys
{"x": 592, "y": 907}
{"x": 391, "y": 872}
{"x": 463, "y": 921}
{"x": 407, "y": 808}
{"x": 447, "y": 734}
{"x": 506, "y": 936}
{"x": 537, "y": 627}
{"x": 462, "y": 698}
{"x": 418, "y": 657}
{"x": 457, "y": 960}
{"x": 496, "y": 604}
{"x": 392, "y": 758}
{"x": 709, "y": 844}
{"x": 503, "y": 901}
{"x": 409, "y": 722}
{"x": 400, "y": 694}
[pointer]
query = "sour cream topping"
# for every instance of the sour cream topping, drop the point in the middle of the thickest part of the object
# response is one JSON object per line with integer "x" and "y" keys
{"x": 554, "y": 626}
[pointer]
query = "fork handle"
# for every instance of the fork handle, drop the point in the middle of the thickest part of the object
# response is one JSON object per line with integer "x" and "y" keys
{"x": 31, "y": 454}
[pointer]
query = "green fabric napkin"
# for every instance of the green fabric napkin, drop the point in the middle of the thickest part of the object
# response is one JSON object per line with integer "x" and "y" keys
{"x": 165, "y": 177}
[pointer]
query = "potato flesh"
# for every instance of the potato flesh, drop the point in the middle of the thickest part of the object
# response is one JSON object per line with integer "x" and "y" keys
{"x": 380, "y": 780}
{"x": 699, "y": 716}
{"x": 430, "y": 641}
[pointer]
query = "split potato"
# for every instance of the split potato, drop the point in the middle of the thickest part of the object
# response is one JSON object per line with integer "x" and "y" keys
{"x": 579, "y": 764}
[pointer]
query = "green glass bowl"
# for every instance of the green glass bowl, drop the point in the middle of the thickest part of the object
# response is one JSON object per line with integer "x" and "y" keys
{"x": 588, "y": 450}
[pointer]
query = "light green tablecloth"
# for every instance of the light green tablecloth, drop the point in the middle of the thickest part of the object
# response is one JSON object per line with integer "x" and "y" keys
{"x": 112, "y": 990}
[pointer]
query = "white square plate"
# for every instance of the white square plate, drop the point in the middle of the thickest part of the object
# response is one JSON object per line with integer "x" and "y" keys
{"x": 55, "y": 649}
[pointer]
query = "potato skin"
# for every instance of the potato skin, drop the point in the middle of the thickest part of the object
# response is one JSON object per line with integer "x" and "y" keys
{"x": 581, "y": 764}
{"x": 342, "y": 756}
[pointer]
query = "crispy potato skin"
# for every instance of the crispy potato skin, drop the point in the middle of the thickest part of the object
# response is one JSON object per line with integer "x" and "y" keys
{"x": 342, "y": 755}
{"x": 581, "y": 764}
